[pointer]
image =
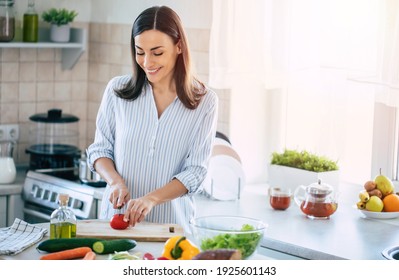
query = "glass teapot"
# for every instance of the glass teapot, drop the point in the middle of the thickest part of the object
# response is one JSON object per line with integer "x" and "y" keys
{"x": 316, "y": 201}
{"x": 8, "y": 171}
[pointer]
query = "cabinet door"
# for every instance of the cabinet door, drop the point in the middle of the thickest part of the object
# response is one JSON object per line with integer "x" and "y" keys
{"x": 3, "y": 211}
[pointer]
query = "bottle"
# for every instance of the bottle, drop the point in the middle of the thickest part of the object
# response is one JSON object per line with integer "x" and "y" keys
{"x": 31, "y": 24}
{"x": 7, "y": 20}
{"x": 63, "y": 220}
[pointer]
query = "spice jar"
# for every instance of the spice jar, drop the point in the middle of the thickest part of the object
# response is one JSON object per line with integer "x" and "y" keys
{"x": 7, "y": 20}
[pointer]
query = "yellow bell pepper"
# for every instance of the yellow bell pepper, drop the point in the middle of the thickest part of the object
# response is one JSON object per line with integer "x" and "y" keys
{"x": 179, "y": 248}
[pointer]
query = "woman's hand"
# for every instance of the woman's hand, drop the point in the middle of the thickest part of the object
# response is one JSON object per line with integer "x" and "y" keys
{"x": 119, "y": 195}
{"x": 137, "y": 209}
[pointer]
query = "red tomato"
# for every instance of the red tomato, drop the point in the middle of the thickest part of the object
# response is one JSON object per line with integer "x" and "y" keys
{"x": 117, "y": 222}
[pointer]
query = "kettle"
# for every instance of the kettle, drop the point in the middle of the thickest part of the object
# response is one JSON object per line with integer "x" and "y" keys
{"x": 8, "y": 172}
{"x": 316, "y": 201}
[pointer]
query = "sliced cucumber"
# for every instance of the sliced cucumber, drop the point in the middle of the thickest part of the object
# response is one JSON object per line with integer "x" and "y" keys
{"x": 60, "y": 244}
{"x": 112, "y": 246}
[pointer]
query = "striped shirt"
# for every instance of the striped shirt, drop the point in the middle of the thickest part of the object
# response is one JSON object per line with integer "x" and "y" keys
{"x": 149, "y": 152}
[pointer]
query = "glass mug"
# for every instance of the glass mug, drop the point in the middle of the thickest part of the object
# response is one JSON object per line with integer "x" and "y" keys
{"x": 280, "y": 199}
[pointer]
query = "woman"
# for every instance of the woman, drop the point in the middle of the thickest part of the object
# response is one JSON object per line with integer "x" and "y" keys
{"x": 155, "y": 128}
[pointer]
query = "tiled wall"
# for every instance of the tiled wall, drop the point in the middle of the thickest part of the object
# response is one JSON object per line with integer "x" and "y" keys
{"x": 32, "y": 80}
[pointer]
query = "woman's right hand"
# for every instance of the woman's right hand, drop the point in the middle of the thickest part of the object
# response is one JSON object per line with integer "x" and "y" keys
{"x": 119, "y": 195}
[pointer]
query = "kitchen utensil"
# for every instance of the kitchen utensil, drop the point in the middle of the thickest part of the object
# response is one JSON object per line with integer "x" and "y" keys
{"x": 87, "y": 176}
{"x": 8, "y": 170}
{"x": 316, "y": 201}
{"x": 143, "y": 231}
{"x": 54, "y": 139}
{"x": 228, "y": 232}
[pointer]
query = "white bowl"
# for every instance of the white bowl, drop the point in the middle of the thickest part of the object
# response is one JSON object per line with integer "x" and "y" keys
{"x": 226, "y": 232}
{"x": 379, "y": 215}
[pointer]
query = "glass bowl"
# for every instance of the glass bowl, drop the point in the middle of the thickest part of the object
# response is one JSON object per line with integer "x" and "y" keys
{"x": 228, "y": 232}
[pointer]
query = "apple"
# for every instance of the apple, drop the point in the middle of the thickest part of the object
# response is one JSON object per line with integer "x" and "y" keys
{"x": 375, "y": 204}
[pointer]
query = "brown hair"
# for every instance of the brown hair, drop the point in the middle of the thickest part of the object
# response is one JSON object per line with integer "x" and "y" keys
{"x": 189, "y": 88}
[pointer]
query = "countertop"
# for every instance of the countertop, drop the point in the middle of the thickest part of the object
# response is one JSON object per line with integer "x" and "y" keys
{"x": 16, "y": 186}
{"x": 345, "y": 235}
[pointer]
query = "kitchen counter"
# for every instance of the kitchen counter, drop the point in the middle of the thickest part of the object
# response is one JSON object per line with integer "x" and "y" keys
{"x": 346, "y": 235}
{"x": 155, "y": 248}
{"x": 290, "y": 235}
{"x": 16, "y": 186}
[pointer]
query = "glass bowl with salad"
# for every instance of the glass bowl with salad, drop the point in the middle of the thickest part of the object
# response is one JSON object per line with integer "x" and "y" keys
{"x": 228, "y": 232}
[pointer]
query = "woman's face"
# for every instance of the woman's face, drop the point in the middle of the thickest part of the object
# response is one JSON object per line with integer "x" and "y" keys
{"x": 156, "y": 54}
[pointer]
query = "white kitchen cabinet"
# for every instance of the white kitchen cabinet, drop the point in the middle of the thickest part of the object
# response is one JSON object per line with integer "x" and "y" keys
{"x": 71, "y": 51}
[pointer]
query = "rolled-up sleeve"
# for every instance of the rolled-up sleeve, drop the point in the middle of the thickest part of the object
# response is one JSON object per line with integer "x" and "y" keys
{"x": 103, "y": 145}
{"x": 195, "y": 166}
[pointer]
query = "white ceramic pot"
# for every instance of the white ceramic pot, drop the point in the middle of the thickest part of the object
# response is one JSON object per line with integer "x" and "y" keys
{"x": 60, "y": 33}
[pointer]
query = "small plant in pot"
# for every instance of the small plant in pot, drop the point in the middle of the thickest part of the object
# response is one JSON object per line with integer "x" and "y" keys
{"x": 60, "y": 20}
{"x": 292, "y": 168}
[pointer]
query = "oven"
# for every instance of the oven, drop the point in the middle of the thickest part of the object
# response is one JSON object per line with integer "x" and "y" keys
{"x": 40, "y": 195}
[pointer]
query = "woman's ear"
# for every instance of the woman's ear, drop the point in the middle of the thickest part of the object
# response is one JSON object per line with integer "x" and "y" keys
{"x": 179, "y": 47}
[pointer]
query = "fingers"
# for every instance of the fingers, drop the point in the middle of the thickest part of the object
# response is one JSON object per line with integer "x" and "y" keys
{"x": 136, "y": 211}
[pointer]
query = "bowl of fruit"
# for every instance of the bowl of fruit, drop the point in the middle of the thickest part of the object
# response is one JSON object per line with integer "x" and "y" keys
{"x": 378, "y": 199}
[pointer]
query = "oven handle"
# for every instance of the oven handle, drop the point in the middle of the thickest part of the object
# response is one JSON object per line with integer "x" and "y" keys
{"x": 36, "y": 214}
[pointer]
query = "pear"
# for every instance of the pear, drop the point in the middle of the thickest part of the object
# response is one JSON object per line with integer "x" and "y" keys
{"x": 374, "y": 204}
{"x": 384, "y": 184}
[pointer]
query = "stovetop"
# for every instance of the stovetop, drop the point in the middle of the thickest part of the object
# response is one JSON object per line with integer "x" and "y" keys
{"x": 43, "y": 189}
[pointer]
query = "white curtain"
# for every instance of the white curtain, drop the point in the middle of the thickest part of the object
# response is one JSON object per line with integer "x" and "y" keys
{"x": 304, "y": 74}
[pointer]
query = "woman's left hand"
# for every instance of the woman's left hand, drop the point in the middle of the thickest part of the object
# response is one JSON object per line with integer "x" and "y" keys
{"x": 137, "y": 209}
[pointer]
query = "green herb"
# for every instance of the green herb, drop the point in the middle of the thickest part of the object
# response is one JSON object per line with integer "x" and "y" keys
{"x": 304, "y": 160}
{"x": 245, "y": 242}
{"x": 59, "y": 17}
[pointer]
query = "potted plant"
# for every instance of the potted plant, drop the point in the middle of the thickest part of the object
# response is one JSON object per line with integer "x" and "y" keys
{"x": 292, "y": 168}
{"x": 60, "y": 20}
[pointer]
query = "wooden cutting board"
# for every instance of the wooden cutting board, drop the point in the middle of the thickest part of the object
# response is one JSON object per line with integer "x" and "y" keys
{"x": 141, "y": 232}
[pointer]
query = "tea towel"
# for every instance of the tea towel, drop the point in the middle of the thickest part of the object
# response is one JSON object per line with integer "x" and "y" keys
{"x": 20, "y": 236}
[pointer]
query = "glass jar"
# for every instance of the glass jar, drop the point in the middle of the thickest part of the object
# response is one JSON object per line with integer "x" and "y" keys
{"x": 63, "y": 220}
{"x": 8, "y": 171}
{"x": 31, "y": 24}
{"x": 7, "y": 20}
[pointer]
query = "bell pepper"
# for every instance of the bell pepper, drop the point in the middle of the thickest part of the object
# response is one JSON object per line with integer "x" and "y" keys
{"x": 179, "y": 248}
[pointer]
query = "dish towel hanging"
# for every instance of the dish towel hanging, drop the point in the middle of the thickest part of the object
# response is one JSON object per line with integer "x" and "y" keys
{"x": 20, "y": 236}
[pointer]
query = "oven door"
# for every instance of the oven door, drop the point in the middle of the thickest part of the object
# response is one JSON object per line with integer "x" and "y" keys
{"x": 34, "y": 213}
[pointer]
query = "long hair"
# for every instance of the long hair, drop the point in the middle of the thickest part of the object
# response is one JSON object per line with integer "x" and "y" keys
{"x": 189, "y": 89}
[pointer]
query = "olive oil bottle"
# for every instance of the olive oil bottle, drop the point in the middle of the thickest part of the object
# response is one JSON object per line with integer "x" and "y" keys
{"x": 30, "y": 32}
{"x": 63, "y": 220}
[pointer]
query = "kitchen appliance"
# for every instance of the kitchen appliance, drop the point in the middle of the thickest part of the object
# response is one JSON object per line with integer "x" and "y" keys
{"x": 41, "y": 193}
{"x": 87, "y": 176}
{"x": 53, "y": 146}
{"x": 316, "y": 201}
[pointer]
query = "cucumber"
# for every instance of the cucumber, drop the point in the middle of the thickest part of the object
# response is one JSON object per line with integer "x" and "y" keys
{"x": 114, "y": 245}
{"x": 60, "y": 244}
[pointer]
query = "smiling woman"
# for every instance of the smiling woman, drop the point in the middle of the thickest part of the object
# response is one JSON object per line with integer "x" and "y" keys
{"x": 155, "y": 127}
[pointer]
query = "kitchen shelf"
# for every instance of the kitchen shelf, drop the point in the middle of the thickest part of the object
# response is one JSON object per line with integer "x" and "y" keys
{"x": 71, "y": 51}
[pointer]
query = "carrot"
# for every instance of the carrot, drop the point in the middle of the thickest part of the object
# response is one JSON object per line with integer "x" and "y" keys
{"x": 90, "y": 256}
{"x": 70, "y": 254}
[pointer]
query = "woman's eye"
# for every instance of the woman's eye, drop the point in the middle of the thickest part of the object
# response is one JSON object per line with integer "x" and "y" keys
{"x": 158, "y": 54}
{"x": 139, "y": 53}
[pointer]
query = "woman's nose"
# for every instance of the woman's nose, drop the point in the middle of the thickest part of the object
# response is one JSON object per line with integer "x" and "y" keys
{"x": 147, "y": 61}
